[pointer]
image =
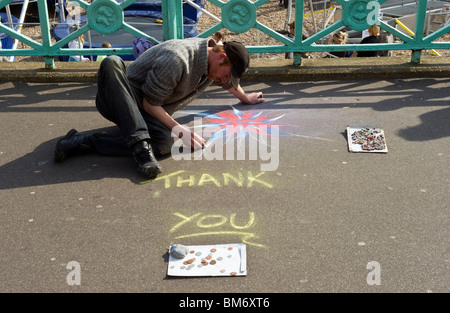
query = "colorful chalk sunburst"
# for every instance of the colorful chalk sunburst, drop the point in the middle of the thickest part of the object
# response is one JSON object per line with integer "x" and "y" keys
{"x": 237, "y": 124}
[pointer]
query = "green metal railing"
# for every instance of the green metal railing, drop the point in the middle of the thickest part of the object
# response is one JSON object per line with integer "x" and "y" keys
{"x": 239, "y": 16}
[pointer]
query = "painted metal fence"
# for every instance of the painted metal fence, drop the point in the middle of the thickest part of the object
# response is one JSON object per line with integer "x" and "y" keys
{"x": 239, "y": 16}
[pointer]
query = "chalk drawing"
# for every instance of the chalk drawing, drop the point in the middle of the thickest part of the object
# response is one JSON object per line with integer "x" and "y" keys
{"x": 246, "y": 124}
{"x": 183, "y": 179}
{"x": 238, "y": 124}
{"x": 212, "y": 222}
{"x": 237, "y": 135}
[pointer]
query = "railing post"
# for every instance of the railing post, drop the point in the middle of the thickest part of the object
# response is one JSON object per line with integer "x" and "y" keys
{"x": 172, "y": 11}
{"x": 415, "y": 56}
{"x": 419, "y": 29}
{"x": 45, "y": 32}
{"x": 298, "y": 31}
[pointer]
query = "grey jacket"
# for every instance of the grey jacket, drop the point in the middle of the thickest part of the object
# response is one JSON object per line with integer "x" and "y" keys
{"x": 171, "y": 74}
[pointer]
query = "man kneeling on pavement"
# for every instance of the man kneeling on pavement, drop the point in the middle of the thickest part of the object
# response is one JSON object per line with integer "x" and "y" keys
{"x": 141, "y": 98}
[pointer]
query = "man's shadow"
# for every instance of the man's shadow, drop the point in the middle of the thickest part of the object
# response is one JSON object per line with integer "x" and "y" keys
{"x": 39, "y": 168}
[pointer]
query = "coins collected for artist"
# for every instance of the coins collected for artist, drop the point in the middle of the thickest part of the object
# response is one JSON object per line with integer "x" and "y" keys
{"x": 221, "y": 261}
{"x": 369, "y": 139}
{"x": 189, "y": 261}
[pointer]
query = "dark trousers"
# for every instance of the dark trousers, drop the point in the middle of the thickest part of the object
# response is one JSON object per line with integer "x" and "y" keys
{"x": 116, "y": 102}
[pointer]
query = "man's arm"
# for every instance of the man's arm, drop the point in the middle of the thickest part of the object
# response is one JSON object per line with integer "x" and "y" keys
{"x": 157, "y": 112}
{"x": 252, "y": 98}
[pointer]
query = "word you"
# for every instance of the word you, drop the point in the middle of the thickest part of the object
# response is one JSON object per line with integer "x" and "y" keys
{"x": 208, "y": 225}
{"x": 180, "y": 179}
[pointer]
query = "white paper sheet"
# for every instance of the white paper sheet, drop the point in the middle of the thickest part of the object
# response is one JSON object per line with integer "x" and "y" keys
{"x": 211, "y": 260}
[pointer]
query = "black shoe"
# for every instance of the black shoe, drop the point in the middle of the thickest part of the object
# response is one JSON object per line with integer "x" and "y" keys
{"x": 73, "y": 143}
{"x": 148, "y": 167}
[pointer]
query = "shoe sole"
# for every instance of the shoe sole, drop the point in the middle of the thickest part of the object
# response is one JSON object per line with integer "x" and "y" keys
{"x": 150, "y": 173}
{"x": 59, "y": 153}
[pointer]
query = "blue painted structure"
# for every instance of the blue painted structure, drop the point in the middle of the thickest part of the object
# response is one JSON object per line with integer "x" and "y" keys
{"x": 7, "y": 41}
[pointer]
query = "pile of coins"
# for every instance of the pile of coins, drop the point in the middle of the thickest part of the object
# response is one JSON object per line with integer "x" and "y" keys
{"x": 204, "y": 261}
{"x": 369, "y": 139}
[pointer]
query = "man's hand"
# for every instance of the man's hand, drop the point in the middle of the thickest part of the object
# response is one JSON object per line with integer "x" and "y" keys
{"x": 252, "y": 98}
{"x": 189, "y": 138}
{"x": 255, "y": 98}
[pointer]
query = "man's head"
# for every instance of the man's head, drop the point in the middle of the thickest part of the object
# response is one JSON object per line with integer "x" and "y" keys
{"x": 229, "y": 63}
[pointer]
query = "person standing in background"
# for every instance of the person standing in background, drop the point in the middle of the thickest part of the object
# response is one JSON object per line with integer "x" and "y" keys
{"x": 77, "y": 44}
{"x": 104, "y": 45}
{"x": 374, "y": 37}
{"x": 218, "y": 37}
{"x": 338, "y": 38}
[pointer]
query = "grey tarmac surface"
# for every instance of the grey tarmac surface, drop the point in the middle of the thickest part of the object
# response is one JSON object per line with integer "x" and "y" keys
{"x": 325, "y": 220}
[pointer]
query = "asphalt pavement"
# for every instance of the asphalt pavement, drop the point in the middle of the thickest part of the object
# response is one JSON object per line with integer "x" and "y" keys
{"x": 313, "y": 216}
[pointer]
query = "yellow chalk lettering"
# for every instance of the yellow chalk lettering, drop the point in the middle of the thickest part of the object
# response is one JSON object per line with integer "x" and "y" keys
{"x": 185, "y": 220}
{"x": 208, "y": 178}
{"x": 227, "y": 177}
{"x": 252, "y": 179}
{"x": 222, "y": 221}
{"x": 249, "y": 223}
{"x": 190, "y": 181}
{"x": 245, "y": 236}
{"x": 165, "y": 177}
{"x": 205, "y": 178}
